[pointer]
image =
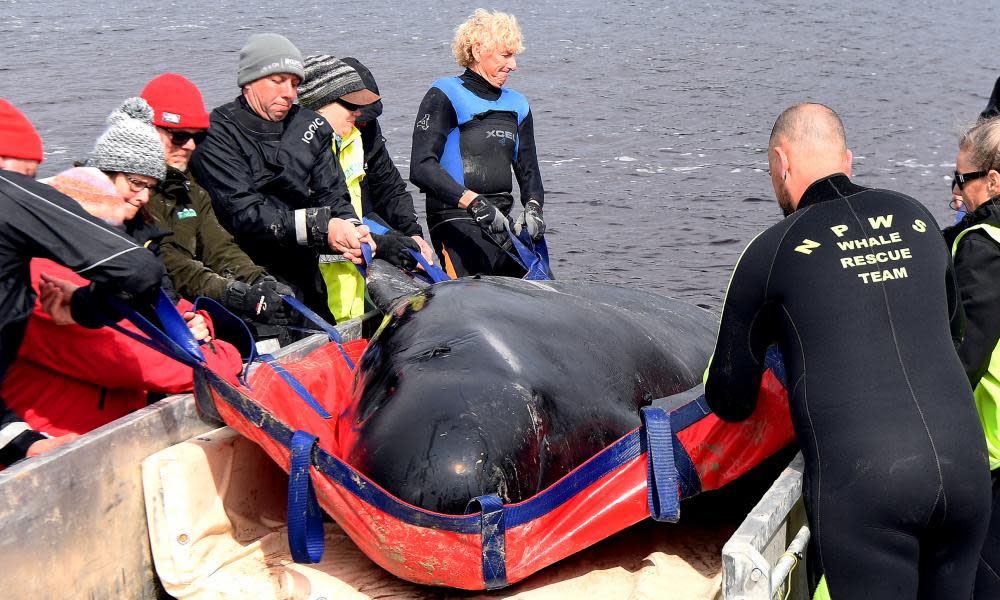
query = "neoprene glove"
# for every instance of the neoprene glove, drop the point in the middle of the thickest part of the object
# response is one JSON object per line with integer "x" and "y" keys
{"x": 532, "y": 219}
{"x": 259, "y": 302}
{"x": 392, "y": 247}
{"x": 488, "y": 217}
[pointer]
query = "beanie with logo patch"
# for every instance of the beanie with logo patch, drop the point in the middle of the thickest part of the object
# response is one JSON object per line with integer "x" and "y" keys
{"x": 176, "y": 102}
{"x": 266, "y": 54}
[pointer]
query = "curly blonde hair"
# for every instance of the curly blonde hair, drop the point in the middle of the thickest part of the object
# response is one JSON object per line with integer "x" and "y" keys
{"x": 494, "y": 30}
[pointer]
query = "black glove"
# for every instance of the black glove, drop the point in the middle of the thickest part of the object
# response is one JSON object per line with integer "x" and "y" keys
{"x": 392, "y": 247}
{"x": 259, "y": 302}
{"x": 532, "y": 219}
{"x": 488, "y": 217}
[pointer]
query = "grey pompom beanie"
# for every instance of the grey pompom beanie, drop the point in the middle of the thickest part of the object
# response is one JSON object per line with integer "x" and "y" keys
{"x": 130, "y": 144}
{"x": 265, "y": 54}
{"x": 328, "y": 79}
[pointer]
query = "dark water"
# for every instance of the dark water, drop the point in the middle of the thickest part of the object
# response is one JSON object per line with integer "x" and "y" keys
{"x": 651, "y": 118}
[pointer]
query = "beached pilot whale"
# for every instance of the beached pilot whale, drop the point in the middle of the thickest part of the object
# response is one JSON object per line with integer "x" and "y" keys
{"x": 498, "y": 385}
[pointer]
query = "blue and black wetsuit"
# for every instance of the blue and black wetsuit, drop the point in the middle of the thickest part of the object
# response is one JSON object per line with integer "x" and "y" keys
{"x": 470, "y": 135}
{"x": 857, "y": 290}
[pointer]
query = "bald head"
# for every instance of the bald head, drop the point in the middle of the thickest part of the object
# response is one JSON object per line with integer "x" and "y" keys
{"x": 807, "y": 144}
{"x": 815, "y": 126}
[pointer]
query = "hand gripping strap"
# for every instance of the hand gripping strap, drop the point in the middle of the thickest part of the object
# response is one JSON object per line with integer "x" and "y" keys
{"x": 305, "y": 522}
{"x": 661, "y": 475}
{"x": 533, "y": 256}
{"x": 174, "y": 340}
{"x": 221, "y": 314}
{"x": 493, "y": 535}
{"x": 321, "y": 323}
{"x": 296, "y": 385}
{"x": 436, "y": 274}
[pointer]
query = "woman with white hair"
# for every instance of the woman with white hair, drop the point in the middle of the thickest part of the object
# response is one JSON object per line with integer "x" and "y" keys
{"x": 470, "y": 134}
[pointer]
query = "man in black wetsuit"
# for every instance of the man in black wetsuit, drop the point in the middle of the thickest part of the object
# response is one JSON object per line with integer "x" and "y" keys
{"x": 469, "y": 134}
{"x": 856, "y": 288}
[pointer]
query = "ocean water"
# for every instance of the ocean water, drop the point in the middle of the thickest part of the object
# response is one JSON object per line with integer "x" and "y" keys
{"x": 651, "y": 118}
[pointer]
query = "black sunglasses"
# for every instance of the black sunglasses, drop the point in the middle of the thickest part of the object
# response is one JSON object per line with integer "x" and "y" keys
{"x": 348, "y": 105}
{"x": 179, "y": 138}
{"x": 960, "y": 179}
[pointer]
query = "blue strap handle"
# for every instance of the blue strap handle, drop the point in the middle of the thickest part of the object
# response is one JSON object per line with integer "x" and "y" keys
{"x": 492, "y": 529}
{"x": 174, "y": 340}
{"x": 437, "y": 274}
{"x": 532, "y": 256}
{"x": 296, "y": 385}
{"x": 776, "y": 362}
{"x": 219, "y": 314}
{"x": 662, "y": 492}
{"x": 330, "y": 330}
{"x": 305, "y": 522}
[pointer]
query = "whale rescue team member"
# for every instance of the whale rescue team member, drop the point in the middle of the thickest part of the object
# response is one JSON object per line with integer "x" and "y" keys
{"x": 857, "y": 290}
{"x": 38, "y": 221}
{"x": 274, "y": 182}
{"x": 975, "y": 245}
{"x": 383, "y": 189}
{"x": 68, "y": 379}
{"x": 470, "y": 132}
{"x": 334, "y": 89}
{"x": 200, "y": 256}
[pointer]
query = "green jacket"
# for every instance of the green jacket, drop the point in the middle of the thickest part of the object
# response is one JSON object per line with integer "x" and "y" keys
{"x": 201, "y": 257}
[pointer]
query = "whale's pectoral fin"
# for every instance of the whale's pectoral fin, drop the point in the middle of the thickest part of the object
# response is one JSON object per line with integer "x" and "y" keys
{"x": 388, "y": 285}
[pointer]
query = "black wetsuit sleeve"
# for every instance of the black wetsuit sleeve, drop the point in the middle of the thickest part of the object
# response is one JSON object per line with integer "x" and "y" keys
{"x": 435, "y": 119}
{"x": 529, "y": 179}
{"x": 977, "y": 267}
{"x": 745, "y": 332}
{"x": 387, "y": 194}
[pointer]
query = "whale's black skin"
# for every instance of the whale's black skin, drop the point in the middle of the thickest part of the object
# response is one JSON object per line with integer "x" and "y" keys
{"x": 497, "y": 385}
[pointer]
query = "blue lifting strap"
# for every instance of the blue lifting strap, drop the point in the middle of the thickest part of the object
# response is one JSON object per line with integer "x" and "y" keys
{"x": 532, "y": 256}
{"x": 776, "y": 362}
{"x": 493, "y": 538}
{"x": 296, "y": 385}
{"x": 174, "y": 339}
{"x": 662, "y": 492}
{"x": 305, "y": 522}
{"x": 221, "y": 314}
{"x": 330, "y": 330}
{"x": 436, "y": 273}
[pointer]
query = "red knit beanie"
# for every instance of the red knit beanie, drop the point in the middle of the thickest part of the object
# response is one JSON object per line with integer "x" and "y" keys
{"x": 18, "y": 138}
{"x": 176, "y": 102}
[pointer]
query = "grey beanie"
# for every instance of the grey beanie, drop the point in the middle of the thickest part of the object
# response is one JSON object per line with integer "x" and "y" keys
{"x": 328, "y": 79}
{"x": 130, "y": 144}
{"x": 266, "y": 54}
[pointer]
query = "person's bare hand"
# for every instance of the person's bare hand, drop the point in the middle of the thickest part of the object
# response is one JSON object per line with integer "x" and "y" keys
{"x": 425, "y": 248}
{"x": 346, "y": 239}
{"x": 50, "y": 444}
{"x": 198, "y": 326}
{"x": 55, "y": 296}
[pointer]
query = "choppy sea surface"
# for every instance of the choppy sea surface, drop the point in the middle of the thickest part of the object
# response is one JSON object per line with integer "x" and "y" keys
{"x": 651, "y": 118}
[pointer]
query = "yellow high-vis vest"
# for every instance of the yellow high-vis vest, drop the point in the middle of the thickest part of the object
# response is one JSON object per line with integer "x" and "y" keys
{"x": 987, "y": 392}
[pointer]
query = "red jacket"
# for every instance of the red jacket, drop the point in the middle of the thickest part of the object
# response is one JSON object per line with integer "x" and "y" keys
{"x": 68, "y": 378}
